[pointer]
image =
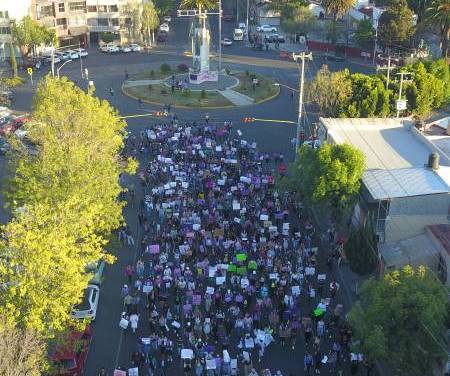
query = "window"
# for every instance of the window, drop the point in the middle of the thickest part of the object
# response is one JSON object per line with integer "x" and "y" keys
{"x": 4, "y": 14}
{"x": 61, "y": 7}
{"x": 77, "y": 5}
{"x": 102, "y": 8}
{"x": 76, "y": 21}
{"x": 61, "y": 22}
{"x": 113, "y": 8}
{"x": 5, "y": 30}
{"x": 46, "y": 11}
{"x": 114, "y": 22}
{"x": 92, "y": 8}
{"x": 102, "y": 22}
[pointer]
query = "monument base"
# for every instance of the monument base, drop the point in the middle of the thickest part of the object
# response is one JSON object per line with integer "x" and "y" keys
{"x": 199, "y": 77}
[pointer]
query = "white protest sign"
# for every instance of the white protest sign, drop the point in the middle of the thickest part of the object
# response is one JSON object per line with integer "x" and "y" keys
{"x": 236, "y": 205}
{"x": 210, "y": 290}
{"x": 295, "y": 290}
{"x": 220, "y": 281}
{"x": 264, "y": 217}
{"x": 310, "y": 271}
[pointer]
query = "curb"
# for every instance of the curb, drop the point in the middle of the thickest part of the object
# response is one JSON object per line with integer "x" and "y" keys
{"x": 269, "y": 98}
{"x": 174, "y": 105}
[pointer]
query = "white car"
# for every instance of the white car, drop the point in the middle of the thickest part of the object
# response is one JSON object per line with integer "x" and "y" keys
{"x": 81, "y": 52}
{"x": 87, "y": 308}
{"x": 112, "y": 49}
{"x": 125, "y": 49}
{"x": 164, "y": 27}
{"x": 167, "y": 19}
{"x": 63, "y": 56}
{"x": 135, "y": 47}
{"x": 73, "y": 54}
{"x": 226, "y": 42}
{"x": 266, "y": 29}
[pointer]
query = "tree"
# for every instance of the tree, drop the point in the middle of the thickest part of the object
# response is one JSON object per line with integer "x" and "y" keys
{"x": 164, "y": 6}
{"x": 330, "y": 91}
{"x": 330, "y": 174}
{"x": 12, "y": 59}
{"x": 64, "y": 199}
{"x": 361, "y": 248}
{"x": 397, "y": 310}
{"x": 419, "y": 7}
{"x": 337, "y": 8}
{"x": 28, "y": 34}
{"x": 395, "y": 25}
{"x": 438, "y": 14}
{"x": 300, "y": 21}
{"x": 201, "y": 5}
{"x": 22, "y": 352}
{"x": 287, "y": 8}
{"x": 365, "y": 34}
{"x": 149, "y": 22}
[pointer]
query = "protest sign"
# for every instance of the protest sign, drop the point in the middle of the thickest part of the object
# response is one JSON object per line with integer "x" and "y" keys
{"x": 220, "y": 281}
{"x": 252, "y": 265}
{"x": 241, "y": 270}
{"x": 210, "y": 290}
{"x": 241, "y": 257}
{"x": 310, "y": 271}
{"x": 232, "y": 268}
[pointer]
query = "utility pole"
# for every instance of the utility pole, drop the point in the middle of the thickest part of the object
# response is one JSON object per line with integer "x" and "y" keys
{"x": 400, "y": 104}
{"x": 237, "y": 11}
{"x": 375, "y": 43}
{"x": 246, "y": 21}
{"x": 388, "y": 68}
{"x": 302, "y": 56}
{"x": 220, "y": 37}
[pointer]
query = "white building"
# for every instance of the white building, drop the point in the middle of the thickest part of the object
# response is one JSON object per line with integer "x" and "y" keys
{"x": 9, "y": 11}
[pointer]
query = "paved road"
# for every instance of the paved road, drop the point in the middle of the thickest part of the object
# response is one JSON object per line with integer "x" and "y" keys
{"x": 108, "y": 71}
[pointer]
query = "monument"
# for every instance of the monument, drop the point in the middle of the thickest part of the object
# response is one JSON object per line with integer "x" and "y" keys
{"x": 200, "y": 39}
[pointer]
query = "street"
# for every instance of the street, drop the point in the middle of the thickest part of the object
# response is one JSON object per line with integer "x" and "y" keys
{"x": 110, "y": 346}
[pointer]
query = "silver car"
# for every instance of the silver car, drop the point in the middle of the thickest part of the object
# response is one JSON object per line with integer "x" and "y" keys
{"x": 87, "y": 308}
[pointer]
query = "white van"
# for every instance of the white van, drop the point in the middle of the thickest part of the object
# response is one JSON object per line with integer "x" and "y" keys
{"x": 238, "y": 34}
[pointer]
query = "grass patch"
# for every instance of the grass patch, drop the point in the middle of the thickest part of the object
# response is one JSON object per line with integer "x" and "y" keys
{"x": 264, "y": 89}
{"x": 162, "y": 94}
{"x": 151, "y": 74}
{"x": 13, "y": 81}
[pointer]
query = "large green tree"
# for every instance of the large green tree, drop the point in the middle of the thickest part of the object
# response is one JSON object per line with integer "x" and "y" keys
{"x": 365, "y": 34}
{"x": 28, "y": 34}
{"x": 438, "y": 15}
{"x": 300, "y": 20}
{"x": 330, "y": 91}
{"x": 395, "y": 25}
{"x": 337, "y": 8}
{"x": 287, "y": 7}
{"x": 330, "y": 174}
{"x": 149, "y": 22}
{"x": 164, "y": 6}
{"x": 201, "y": 5}
{"x": 64, "y": 199}
{"x": 361, "y": 248}
{"x": 400, "y": 319}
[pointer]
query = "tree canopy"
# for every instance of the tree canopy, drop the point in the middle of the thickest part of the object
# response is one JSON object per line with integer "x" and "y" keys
{"x": 365, "y": 33}
{"x": 300, "y": 20}
{"x": 400, "y": 319}
{"x": 438, "y": 15}
{"x": 337, "y": 8}
{"x": 164, "y": 6}
{"x": 330, "y": 174}
{"x": 201, "y": 5}
{"x": 64, "y": 198}
{"x": 395, "y": 25}
{"x": 28, "y": 33}
{"x": 149, "y": 20}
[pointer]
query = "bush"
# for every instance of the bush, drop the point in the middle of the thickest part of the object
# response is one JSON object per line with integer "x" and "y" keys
{"x": 165, "y": 68}
{"x": 108, "y": 37}
{"x": 203, "y": 94}
{"x": 13, "y": 81}
{"x": 183, "y": 68}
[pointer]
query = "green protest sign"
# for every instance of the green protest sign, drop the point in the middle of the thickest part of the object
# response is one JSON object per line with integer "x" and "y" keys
{"x": 242, "y": 270}
{"x": 241, "y": 257}
{"x": 232, "y": 268}
{"x": 252, "y": 265}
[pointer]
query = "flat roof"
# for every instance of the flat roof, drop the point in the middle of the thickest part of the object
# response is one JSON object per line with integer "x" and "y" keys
{"x": 387, "y": 143}
{"x": 406, "y": 182}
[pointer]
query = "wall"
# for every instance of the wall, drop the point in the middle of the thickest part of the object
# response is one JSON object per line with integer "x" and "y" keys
{"x": 408, "y": 216}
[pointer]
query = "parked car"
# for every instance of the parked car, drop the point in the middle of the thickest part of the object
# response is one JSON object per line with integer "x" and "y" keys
{"x": 82, "y": 52}
{"x": 11, "y": 124}
{"x": 164, "y": 27}
{"x": 87, "y": 308}
{"x": 63, "y": 56}
{"x": 47, "y": 60}
{"x": 103, "y": 48}
{"x": 266, "y": 29}
{"x": 125, "y": 49}
{"x": 274, "y": 38}
{"x": 113, "y": 49}
{"x": 96, "y": 268}
{"x": 167, "y": 19}
{"x": 226, "y": 42}
{"x": 69, "y": 357}
{"x": 135, "y": 47}
{"x": 73, "y": 54}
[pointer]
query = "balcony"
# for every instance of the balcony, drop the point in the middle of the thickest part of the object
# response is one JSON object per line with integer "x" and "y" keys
{"x": 104, "y": 29}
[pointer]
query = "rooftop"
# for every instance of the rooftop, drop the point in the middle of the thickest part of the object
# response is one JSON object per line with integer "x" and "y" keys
{"x": 406, "y": 182}
{"x": 386, "y": 143}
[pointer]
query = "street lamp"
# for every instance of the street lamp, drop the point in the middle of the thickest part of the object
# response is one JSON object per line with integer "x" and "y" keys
{"x": 286, "y": 86}
{"x": 57, "y": 71}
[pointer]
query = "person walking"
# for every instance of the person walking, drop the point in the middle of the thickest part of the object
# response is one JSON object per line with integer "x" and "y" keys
{"x": 134, "y": 319}
{"x": 129, "y": 272}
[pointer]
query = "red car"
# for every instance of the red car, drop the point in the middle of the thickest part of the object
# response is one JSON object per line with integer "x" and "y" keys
{"x": 69, "y": 358}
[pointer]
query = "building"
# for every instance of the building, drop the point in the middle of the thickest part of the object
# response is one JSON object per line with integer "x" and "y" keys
{"x": 404, "y": 188}
{"x": 9, "y": 11}
{"x": 267, "y": 16}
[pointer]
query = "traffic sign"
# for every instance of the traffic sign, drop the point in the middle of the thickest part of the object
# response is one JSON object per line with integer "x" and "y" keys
{"x": 30, "y": 71}
{"x": 401, "y": 105}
